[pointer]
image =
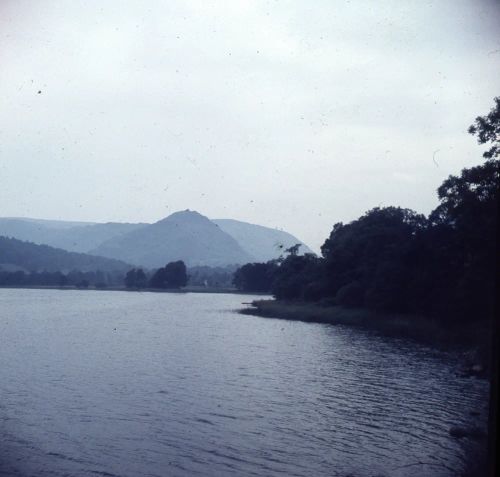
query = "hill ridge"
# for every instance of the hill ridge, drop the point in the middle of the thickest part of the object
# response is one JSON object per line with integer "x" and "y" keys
{"x": 240, "y": 242}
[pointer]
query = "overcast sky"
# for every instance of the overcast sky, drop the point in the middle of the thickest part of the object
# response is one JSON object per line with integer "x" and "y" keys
{"x": 289, "y": 114}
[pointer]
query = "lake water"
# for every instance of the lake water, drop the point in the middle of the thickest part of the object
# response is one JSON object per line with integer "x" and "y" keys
{"x": 104, "y": 383}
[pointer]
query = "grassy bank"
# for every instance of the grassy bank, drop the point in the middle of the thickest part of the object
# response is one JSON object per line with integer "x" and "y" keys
{"x": 409, "y": 326}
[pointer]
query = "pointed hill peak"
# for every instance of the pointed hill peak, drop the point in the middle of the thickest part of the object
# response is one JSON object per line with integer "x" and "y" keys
{"x": 185, "y": 217}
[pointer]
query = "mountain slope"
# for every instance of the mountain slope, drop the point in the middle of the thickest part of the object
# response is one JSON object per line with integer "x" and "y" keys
{"x": 33, "y": 257}
{"x": 88, "y": 237}
{"x": 48, "y": 223}
{"x": 263, "y": 243}
{"x": 187, "y": 236}
{"x": 72, "y": 236}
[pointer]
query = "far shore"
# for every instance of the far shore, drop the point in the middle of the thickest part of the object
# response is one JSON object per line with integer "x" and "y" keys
{"x": 191, "y": 289}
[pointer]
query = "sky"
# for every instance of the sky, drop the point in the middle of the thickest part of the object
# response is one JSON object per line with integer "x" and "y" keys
{"x": 289, "y": 114}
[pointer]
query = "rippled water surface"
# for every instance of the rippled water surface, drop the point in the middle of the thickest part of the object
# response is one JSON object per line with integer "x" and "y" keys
{"x": 143, "y": 384}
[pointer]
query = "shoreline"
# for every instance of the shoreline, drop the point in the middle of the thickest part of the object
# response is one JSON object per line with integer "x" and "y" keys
{"x": 472, "y": 338}
{"x": 193, "y": 289}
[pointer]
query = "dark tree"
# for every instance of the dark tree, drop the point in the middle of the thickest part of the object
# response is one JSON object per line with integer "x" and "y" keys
{"x": 176, "y": 274}
{"x": 394, "y": 259}
{"x": 255, "y": 277}
{"x": 465, "y": 223}
{"x": 83, "y": 284}
{"x": 141, "y": 280}
{"x": 136, "y": 278}
{"x": 487, "y": 129}
{"x": 63, "y": 280}
{"x": 299, "y": 277}
{"x": 294, "y": 249}
{"x": 158, "y": 280}
{"x": 172, "y": 275}
{"x": 369, "y": 257}
{"x": 130, "y": 278}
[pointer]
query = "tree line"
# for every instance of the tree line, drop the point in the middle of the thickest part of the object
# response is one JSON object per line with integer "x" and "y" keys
{"x": 175, "y": 275}
{"x": 395, "y": 259}
{"x": 74, "y": 278}
{"x": 172, "y": 276}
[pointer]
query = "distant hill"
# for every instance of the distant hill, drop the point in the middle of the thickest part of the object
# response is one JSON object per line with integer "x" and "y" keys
{"x": 16, "y": 254}
{"x": 71, "y": 236}
{"x": 86, "y": 238}
{"x": 187, "y": 236}
{"x": 262, "y": 243}
{"x": 52, "y": 224}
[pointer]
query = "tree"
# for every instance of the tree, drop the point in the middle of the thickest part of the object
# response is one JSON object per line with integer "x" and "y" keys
{"x": 172, "y": 275}
{"x": 255, "y": 277}
{"x": 136, "y": 278}
{"x": 176, "y": 274}
{"x": 299, "y": 277}
{"x": 62, "y": 280}
{"x": 487, "y": 129}
{"x": 294, "y": 249}
{"x": 141, "y": 280}
{"x": 466, "y": 224}
{"x": 369, "y": 257}
{"x": 467, "y": 216}
{"x": 158, "y": 279}
{"x": 130, "y": 278}
{"x": 469, "y": 202}
{"x": 83, "y": 284}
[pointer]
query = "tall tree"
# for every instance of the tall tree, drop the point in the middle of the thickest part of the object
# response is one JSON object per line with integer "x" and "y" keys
{"x": 172, "y": 275}
{"x": 487, "y": 130}
{"x": 369, "y": 256}
{"x": 136, "y": 278}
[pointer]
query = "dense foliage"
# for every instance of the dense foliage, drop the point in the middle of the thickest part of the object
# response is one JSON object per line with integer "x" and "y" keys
{"x": 136, "y": 278}
{"x": 395, "y": 259}
{"x": 172, "y": 275}
{"x": 487, "y": 130}
{"x": 211, "y": 277}
{"x": 255, "y": 277}
{"x": 97, "y": 279}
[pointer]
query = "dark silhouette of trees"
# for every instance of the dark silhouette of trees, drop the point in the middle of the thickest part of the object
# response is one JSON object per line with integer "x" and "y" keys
{"x": 394, "y": 259}
{"x": 172, "y": 275}
{"x": 58, "y": 279}
{"x": 83, "y": 284}
{"x": 212, "y": 277}
{"x": 487, "y": 129}
{"x": 465, "y": 227}
{"x": 255, "y": 277}
{"x": 298, "y": 277}
{"x": 371, "y": 252}
{"x": 294, "y": 249}
{"x": 136, "y": 278}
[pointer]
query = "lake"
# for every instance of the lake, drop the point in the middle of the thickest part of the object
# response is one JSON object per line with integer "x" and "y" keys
{"x": 106, "y": 383}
